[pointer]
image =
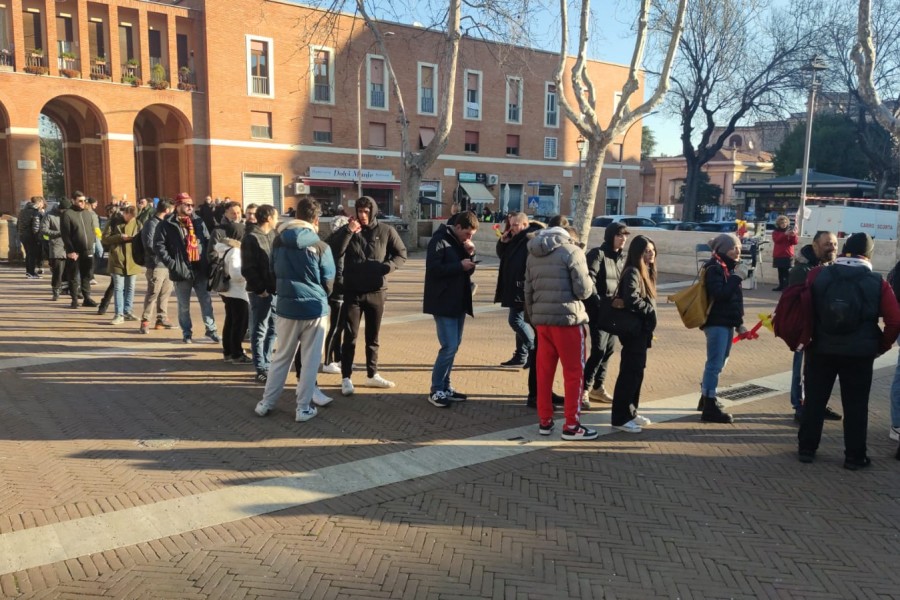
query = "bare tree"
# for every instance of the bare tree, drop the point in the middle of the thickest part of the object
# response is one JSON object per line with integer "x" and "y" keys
{"x": 737, "y": 60}
{"x": 583, "y": 113}
{"x": 863, "y": 56}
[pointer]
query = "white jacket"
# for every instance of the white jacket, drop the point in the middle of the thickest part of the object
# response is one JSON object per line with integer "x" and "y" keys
{"x": 232, "y": 257}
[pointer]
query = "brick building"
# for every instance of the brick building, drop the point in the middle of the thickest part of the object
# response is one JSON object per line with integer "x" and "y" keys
{"x": 257, "y": 100}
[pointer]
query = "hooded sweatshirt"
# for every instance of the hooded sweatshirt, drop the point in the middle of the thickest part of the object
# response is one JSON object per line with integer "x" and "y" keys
{"x": 304, "y": 272}
{"x": 556, "y": 280}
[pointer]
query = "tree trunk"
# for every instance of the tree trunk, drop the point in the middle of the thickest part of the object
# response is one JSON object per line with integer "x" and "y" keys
{"x": 593, "y": 167}
{"x": 691, "y": 188}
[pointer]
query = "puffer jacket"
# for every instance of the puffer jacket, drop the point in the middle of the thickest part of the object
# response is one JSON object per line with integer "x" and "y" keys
{"x": 369, "y": 256}
{"x": 724, "y": 290}
{"x": 171, "y": 251}
{"x": 29, "y": 221}
{"x": 229, "y": 251}
{"x": 510, "y": 290}
{"x": 556, "y": 280}
{"x": 50, "y": 231}
{"x": 631, "y": 290}
{"x": 448, "y": 287}
{"x": 121, "y": 261}
{"x": 304, "y": 272}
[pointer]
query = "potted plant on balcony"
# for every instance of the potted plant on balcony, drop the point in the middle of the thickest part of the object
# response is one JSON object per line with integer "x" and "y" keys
{"x": 132, "y": 80}
{"x": 185, "y": 77}
{"x": 100, "y": 61}
{"x": 158, "y": 77}
{"x": 36, "y": 53}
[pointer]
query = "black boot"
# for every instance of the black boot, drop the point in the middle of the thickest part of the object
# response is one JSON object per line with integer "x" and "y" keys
{"x": 89, "y": 302}
{"x": 74, "y": 303}
{"x": 713, "y": 413}
{"x": 101, "y": 310}
{"x": 898, "y": 452}
{"x": 55, "y": 294}
{"x": 701, "y": 402}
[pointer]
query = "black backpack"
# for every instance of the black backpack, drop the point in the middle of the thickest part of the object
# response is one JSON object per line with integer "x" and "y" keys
{"x": 842, "y": 305}
{"x": 219, "y": 279}
{"x": 137, "y": 250}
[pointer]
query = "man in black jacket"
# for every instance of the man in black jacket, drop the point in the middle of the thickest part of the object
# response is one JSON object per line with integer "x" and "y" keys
{"x": 510, "y": 292}
{"x": 180, "y": 244}
{"x": 256, "y": 252}
{"x": 159, "y": 286}
{"x": 28, "y": 227}
{"x": 79, "y": 239}
{"x": 448, "y": 298}
{"x": 370, "y": 251}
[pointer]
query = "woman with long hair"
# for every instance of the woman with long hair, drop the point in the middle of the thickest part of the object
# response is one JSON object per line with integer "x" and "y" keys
{"x": 637, "y": 291}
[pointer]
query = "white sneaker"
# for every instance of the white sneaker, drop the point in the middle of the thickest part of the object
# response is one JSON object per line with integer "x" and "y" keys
{"x": 642, "y": 421}
{"x": 306, "y": 415}
{"x": 332, "y": 368}
{"x": 262, "y": 410}
{"x": 346, "y": 386}
{"x": 319, "y": 398}
{"x": 895, "y": 434}
{"x": 601, "y": 395}
{"x": 379, "y": 382}
{"x": 629, "y": 427}
{"x": 585, "y": 400}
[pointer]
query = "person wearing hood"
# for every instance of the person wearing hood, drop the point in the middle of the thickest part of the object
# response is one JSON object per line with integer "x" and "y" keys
{"x": 230, "y": 226}
{"x": 557, "y": 282}
{"x": 304, "y": 274}
{"x": 237, "y": 303}
{"x": 449, "y": 265}
{"x": 369, "y": 251}
{"x": 51, "y": 233}
{"x": 723, "y": 286}
{"x": 605, "y": 264}
{"x": 821, "y": 252}
{"x": 510, "y": 292}
{"x": 784, "y": 238}
{"x": 849, "y": 299}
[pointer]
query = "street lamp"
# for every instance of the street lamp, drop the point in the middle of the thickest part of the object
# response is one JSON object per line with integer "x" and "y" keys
{"x": 359, "y": 191}
{"x": 580, "y": 143}
{"x": 815, "y": 65}
{"x": 621, "y": 161}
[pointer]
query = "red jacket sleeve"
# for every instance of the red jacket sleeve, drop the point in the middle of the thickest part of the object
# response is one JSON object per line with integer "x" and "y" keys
{"x": 890, "y": 314}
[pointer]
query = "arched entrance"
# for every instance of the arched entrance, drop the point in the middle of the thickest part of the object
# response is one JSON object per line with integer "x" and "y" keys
{"x": 85, "y": 160}
{"x": 7, "y": 202}
{"x": 161, "y": 161}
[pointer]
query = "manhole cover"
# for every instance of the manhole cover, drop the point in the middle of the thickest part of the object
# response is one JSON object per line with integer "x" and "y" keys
{"x": 744, "y": 391}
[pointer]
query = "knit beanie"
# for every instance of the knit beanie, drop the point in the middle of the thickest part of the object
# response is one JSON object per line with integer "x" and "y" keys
{"x": 721, "y": 244}
{"x": 859, "y": 244}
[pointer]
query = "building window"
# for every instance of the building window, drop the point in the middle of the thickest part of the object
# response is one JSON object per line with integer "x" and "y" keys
{"x": 551, "y": 113}
{"x": 472, "y": 141}
{"x": 97, "y": 39}
{"x": 260, "y": 125}
{"x": 550, "y": 148}
{"x": 512, "y": 145}
{"x": 322, "y": 74}
{"x": 426, "y": 134}
{"x": 514, "y": 100}
{"x": 377, "y": 135}
{"x": 322, "y": 130}
{"x": 261, "y": 80}
{"x": 427, "y": 88}
{"x": 33, "y": 30}
{"x": 377, "y": 97}
{"x": 473, "y": 95}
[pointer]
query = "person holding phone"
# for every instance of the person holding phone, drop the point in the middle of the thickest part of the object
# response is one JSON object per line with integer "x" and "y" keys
{"x": 122, "y": 268}
{"x": 784, "y": 238}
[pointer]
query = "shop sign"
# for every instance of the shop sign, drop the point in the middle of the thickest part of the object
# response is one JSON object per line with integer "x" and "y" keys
{"x": 343, "y": 174}
{"x": 466, "y": 177}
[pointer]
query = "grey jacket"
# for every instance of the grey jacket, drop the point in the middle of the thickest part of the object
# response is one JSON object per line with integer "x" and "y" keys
{"x": 556, "y": 280}
{"x": 50, "y": 231}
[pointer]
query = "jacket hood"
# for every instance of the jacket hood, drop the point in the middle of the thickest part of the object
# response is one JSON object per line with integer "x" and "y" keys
{"x": 807, "y": 256}
{"x": 226, "y": 245}
{"x": 548, "y": 240}
{"x": 298, "y": 233}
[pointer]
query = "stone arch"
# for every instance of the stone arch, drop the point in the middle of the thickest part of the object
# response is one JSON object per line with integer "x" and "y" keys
{"x": 162, "y": 160}
{"x": 7, "y": 200}
{"x": 85, "y": 150}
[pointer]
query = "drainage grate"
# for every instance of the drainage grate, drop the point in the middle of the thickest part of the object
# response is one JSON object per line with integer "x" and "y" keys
{"x": 744, "y": 391}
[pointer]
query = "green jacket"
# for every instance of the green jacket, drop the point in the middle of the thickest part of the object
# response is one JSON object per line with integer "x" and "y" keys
{"x": 120, "y": 259}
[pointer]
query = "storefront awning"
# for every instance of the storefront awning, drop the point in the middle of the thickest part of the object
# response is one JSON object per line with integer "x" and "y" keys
{"x": 478, "y": 193}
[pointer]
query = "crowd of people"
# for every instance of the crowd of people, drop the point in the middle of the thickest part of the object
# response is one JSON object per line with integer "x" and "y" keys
{"x": 300, "y": 298}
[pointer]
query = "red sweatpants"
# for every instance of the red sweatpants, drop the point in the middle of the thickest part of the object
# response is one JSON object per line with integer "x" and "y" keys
{"x": 566, "y": 345}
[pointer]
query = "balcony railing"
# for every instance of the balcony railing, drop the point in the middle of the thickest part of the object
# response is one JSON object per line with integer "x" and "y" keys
{"x": 7, "y": 59}
{"x": 261, "y": 85}
{"x": 100, "y": 71}
{"x": 427, "y": 104}
{"x": 322, "y": 93}
{"x": 187, "y": 79}
{"x": 68, "y": 66}
{"x": 376, "y": 98}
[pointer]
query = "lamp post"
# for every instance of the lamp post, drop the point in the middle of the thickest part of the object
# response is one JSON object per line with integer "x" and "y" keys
{"x": 579, "y": 143}
{"x": 622, "y": 161}
{"x": 359, "y": 191}
{"x": 815, "y": 65}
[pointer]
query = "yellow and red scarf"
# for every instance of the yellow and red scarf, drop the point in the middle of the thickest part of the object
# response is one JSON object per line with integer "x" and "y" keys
{"x": 190, "y": 238}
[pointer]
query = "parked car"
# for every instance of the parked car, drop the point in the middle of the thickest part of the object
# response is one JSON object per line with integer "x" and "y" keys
{"x": 630, "y": 220}
{"x": 687, "y": 226}
{"x": 718, "y": 226}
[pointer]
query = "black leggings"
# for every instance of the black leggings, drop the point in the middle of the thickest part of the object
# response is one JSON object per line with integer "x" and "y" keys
{"x": 237, "y": 316}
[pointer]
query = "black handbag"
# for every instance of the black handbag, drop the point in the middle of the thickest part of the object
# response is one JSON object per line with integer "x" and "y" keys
{"x": 617, "y": 321}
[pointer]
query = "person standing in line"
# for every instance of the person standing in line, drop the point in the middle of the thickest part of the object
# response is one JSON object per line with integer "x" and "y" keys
{"x": 510, "y": 291}
{"x": 256, "y": 253}
{"x": 337, "y": 321}
{"x": 146, "y": 211}
{"x": 821, "y": 252}
{"x": 56, "y": 252}
{"x": 849, "y": 299}
{"x": 637, "y": 290}
{"x": 79, "y": 239}
{"x": 556, "y": 284}
{"x": 304, "y": 271}
{"x": 122, "y": 269}
{"x": 180, "y": 244}
{"x": 114, "y": 218}
{"x": 723, "y": 286}
{"x": 237, "y": 306}
{"x": 159, "y": 286}
{"x": 894, "y": 431}
{"x": 605, "y": 264}
{"x": 370, "y": 251}
{"x": 28, "y": 226}
{"x": 449, "y": 265}
{"x": 784, "y": 238}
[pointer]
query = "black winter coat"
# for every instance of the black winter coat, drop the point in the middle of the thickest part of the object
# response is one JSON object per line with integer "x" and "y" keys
{"x": 724, "y": 290}
{"x": 77, "y": 229}
{"x": 513, "y": 255}
{"x": 256, "y": 266}
{"x": 606, "y": 279}
{"x": 631, "y": 290}
{"x": 368, "y": 256}
{"x": 169, "y": 247}
{"x": 448, "y": 288}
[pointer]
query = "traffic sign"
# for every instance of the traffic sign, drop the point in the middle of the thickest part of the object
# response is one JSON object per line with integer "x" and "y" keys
{"x": 534, "y": 201}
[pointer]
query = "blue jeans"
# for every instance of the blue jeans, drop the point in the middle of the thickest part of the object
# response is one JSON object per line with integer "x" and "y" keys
{"x": 449, "y": 332}
{"x": 183, "y": 294}
{"x": 797, "y": 382}
{"x": 124, "y": 293}
{"x": 262, "y": 330}
{"x": 895, "y": 397}
{"x": 524, "y": 332}
{"x": 718, "y": 347}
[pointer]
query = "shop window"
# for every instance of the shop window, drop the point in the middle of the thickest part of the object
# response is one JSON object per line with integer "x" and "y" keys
{"x": 260, "y": 76}
{"x": 473, "y": 95}
{"x": 471, "y": 142}
{"x": 512, "y": 145}
{"x": 322, "y": 130}
{"x": 550, "y": 148}
{"x": 377, "y": 135}
{"x": 260, "y": 125}
{"x": 551, "y": 112}
{"x": 427, "y": 88}
{"x": 377, "y": 97}
{"x": 514, "y": 100}
{"x": 322, "y": 74}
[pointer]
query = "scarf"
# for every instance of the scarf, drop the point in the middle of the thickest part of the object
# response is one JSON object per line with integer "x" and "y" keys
{"x": 853, "y": 261}
{"x": 192, "y": 244}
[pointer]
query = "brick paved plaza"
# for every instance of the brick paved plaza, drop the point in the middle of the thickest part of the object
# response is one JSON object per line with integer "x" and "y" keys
{"x": 133, "y": 467}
